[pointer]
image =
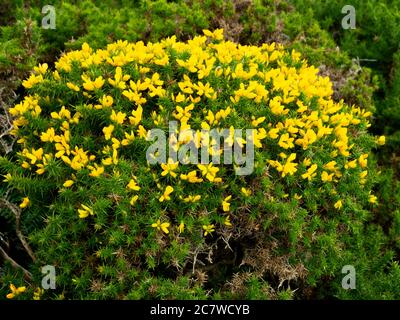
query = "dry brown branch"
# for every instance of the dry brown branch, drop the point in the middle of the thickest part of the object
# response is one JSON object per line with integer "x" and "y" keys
{"x": 263, "y": 260}
{"x": 17, "y": 213}
{"x": 16, "y": 265}
{"x": 6, "y": 139}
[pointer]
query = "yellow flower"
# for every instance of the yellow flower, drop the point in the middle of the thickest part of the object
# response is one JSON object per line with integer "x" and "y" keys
{"x": 192, "y": 199}
{"x": 96, "y": 171}
{"x": 25, "y": 165}
{"x": 276, "y": 107}
{"x": 133, "y": 200}
{"x": 331, "y": 166}
{"x": 208, "y": 171}
{"x": 222, "y": 114}
{"x": 338, "y": 205}
{"x": 108, "y": 131}
{"x": 25, "y": 202}
{"x": 41, "y": 68}
{"x": 363, "y": 161}
{"x": 205, "y": 90}
{"x": 351, "y": 164}
{"x": 15, "y": 291}
{"x": 258, "y": 135}
{"x": 116, "y": 144}
{"x": 363, "y": 174}
{"x": 296, "y": 55}
{"x": 41, "y": 169}
{"x": 208, "y": 229}
{"x": 136, "y": 116}
{"x": 34, "y": 155}
{"x": 119, "y": 80}
{"x": 181, "y": 227}
{"x": 301, "y": 106}
{"x": 179, "y": 98}
{"x": 191, "y": 177}
{"x": 297, "y": 197}
{"x": 225, "y": 203}
{"x": 48, "y": 136}
{"x": 90, "y": 85}
{"x": 183, "y": 114}
{"x": 256, "y": 122}
{"x": 167, "y": 192}
{"x": 326, "y": 177}
{"x": 161, "y": 226}
{"x": 308, "y": 138}
{"x": 310, "y": 173}
{"x": 381, "y": 140}
{"x": 38, "y": 293}
{"x": 63, "y": 113}
{"x": 133, "y": 185}
{"x": 169, "y": 168}
{"x": 68, "y": 183}
{"x": 32, "y": 80}
{"x": 289, "y": 167}
{"x": 73, "y": 86}
{"x": 246, "y": 192}
{"x": 56, "y": 76}
{"x": 7, "y": 177}
{"x": 118, "y": 117}
{"x": 273, "y": 133}
{"x": 227, "y": 221}
{"x": 106, "y": 101}
{"x": 142, "y": 133}
{"x": 129, "y": 137}
{"x": 373, "y": 199}
{"x": 285, "y": 141}
{"x": 85, "y": 211}
{"x": 107, "y": 162}
{"x": 218, "y": 34}
{"x": 307, "y": 162}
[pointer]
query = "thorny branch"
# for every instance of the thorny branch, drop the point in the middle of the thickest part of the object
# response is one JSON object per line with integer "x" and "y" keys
{"x": 6, "y": 126}
{"x": 27, "y": 274}
{"x": 17, "y": 213}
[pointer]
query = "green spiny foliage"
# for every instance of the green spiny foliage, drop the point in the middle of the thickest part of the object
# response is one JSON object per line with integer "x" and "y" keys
{"x": 292, "y": 219}
{"x": 311, "y": 28}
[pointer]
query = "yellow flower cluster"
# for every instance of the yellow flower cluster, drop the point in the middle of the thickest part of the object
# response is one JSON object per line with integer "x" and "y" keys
{"x": 15, "y": 291}
{"x": 214, "y": 83}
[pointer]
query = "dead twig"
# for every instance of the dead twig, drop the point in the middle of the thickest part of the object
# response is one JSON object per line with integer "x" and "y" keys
{"x": 17, "y": 213}
{"x": 16, "y": 265}
{"x": 6, "y": 139}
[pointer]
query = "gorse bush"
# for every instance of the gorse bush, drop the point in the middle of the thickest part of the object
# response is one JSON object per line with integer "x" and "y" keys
{"x": 100, "y": 23}
{"x": 116, "y": 226}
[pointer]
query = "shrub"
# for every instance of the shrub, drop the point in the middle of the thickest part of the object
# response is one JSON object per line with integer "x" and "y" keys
{"x": 115, "y": 226}
{"x": 375, "y": 41}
